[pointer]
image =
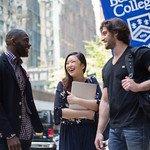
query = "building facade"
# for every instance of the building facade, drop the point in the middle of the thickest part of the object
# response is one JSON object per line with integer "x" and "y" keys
{"x": 77, "y": 22}
{"x": 23, "y": 15}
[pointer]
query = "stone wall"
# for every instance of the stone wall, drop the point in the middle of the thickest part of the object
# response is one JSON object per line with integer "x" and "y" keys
{"x": 43, "y": 96}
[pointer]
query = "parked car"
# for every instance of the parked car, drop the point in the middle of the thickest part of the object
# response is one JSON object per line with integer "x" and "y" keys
{"x": 56, "y": 139}
{"x": 45, "y": 140}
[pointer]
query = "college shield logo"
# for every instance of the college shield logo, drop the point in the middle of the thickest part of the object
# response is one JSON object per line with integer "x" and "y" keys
{"x": 140, "y": 27}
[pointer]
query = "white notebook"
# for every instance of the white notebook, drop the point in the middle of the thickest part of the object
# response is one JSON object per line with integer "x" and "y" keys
{"x": 83, "y": 90}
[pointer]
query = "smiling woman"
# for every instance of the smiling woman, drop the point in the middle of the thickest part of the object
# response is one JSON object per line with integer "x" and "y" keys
{"x": 77, "y": 127}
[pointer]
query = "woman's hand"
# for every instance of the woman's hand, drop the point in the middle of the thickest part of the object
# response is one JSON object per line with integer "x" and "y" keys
{"x": 88, "y": 104}
{"x": 90, "y": 114}
{"x": 71, "y": 98}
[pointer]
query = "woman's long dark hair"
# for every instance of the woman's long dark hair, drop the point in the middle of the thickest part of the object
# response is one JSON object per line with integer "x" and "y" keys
{"x": 67, "y": 81}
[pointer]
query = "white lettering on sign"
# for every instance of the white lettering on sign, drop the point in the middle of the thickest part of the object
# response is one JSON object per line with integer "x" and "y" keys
{"x": 120, "y": 9}
{"x": 115, "y": 2}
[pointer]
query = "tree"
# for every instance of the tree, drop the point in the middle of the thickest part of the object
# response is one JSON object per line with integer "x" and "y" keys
{"x": 96, "y": 56}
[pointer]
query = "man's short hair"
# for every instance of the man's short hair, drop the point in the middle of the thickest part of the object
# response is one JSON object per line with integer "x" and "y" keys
{"x": 14, "y": 33}
{"x": 118, "y": 26}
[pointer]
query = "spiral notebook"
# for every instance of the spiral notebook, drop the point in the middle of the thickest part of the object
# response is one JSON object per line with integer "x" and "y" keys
{"x": 82, "y": 90}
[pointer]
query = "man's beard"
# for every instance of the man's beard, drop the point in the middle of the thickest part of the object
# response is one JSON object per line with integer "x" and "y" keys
{"x": 21, "y": 50}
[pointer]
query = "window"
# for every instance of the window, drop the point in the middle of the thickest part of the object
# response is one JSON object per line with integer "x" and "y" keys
{"x": 1, "y": 10}
{"x": 1, "y": 40}
{"x": 1, "y": 24}
{"x": 19, "y": 9}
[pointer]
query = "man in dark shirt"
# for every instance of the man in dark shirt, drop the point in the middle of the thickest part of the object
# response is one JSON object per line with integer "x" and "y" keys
{"x": 18, "y": 114}
{"x": 119, "y": 103}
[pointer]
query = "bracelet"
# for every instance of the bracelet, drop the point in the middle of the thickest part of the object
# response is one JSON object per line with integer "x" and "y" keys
{"x": 11, "y": 136}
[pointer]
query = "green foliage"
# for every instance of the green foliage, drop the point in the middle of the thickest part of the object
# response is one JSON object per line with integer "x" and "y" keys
{"x": 96, "y": 56}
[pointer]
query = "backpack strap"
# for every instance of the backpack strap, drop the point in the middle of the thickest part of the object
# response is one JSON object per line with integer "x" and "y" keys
{"x": 129, "y": 60}
{"x": 129, "y": 64}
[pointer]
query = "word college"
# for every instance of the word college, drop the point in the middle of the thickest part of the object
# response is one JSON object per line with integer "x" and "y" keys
{"x": 136, "y": 13}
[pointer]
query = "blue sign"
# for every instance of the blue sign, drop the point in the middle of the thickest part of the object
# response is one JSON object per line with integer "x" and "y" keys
{"x": 136, "y": 13}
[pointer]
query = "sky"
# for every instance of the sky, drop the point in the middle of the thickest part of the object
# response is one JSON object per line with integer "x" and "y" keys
{"x": 96, "y": 5}
{"x": 97, "y": 11}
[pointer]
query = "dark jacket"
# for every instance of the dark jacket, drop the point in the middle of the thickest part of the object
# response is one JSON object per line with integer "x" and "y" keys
{"x": 10, "y": 101}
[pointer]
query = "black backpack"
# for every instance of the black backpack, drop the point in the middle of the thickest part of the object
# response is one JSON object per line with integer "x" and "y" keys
{"x": 144, "y": 97}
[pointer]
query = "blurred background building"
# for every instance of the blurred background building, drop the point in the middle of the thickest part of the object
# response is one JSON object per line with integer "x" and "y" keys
{"x": 55, "y": 28}
{"x": 77, "y": 24}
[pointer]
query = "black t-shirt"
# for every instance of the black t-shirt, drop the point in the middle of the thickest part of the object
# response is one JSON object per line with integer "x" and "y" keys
{"x": 124, "y": 105}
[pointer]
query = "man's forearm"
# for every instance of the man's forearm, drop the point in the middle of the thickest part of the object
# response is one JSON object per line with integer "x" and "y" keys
{"x": 103, "y": 116}
{"x": 144, "y": 86}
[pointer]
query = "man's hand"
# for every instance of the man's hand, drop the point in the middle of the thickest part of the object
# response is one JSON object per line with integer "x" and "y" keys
{"x": 99, "y": 143}
{"x": 129, "y": 85}
{"x": 14, "y": 143}
{"x": 40, "y": 134}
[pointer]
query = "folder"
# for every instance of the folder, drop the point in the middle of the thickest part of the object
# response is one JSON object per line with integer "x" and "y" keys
{"x": 82, "y": 90}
